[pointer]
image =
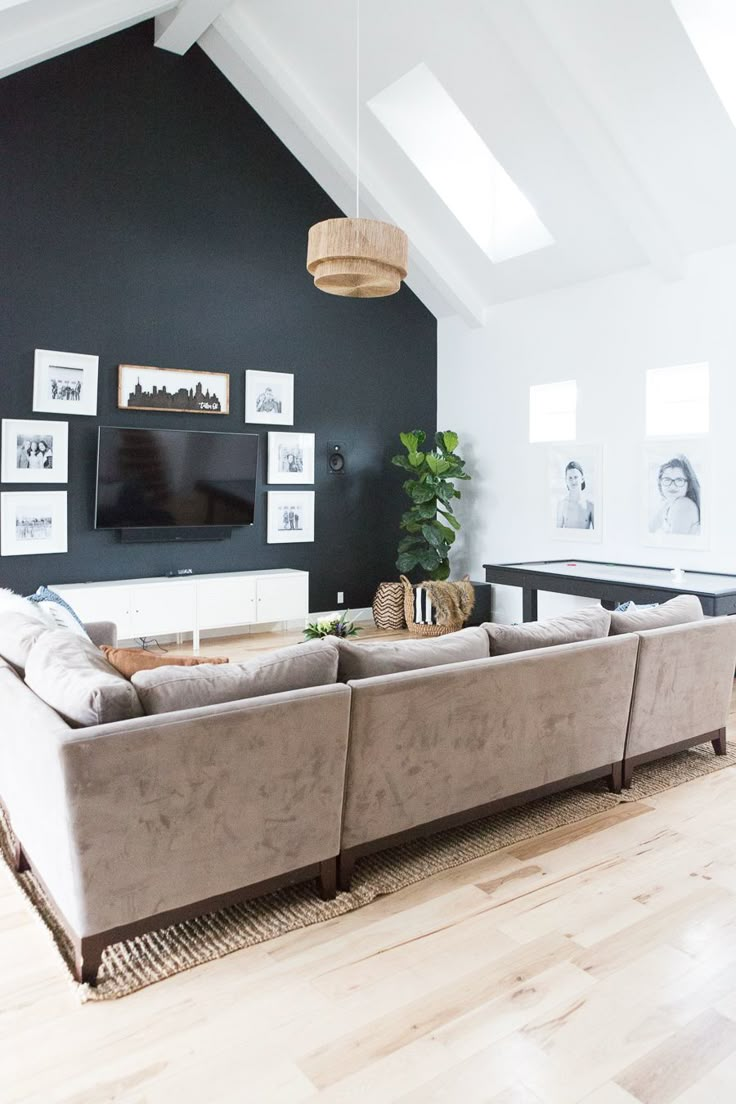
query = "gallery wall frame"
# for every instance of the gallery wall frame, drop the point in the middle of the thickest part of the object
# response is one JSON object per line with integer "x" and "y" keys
{"x": 173, "y": 390}
{"x": 33, "y": 522}
{"x": 269, "y": 397}
{"x": 34, "y": 451}
{"x": 65, "y": 383}
{"x": 676, "y": 493}
{"x": 290, "y": 517}
{"x": 575, "y": 485}
{"x": 290, "y": 457}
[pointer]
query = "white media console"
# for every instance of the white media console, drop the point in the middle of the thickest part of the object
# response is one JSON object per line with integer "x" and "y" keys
{"x": 191, "y": 603}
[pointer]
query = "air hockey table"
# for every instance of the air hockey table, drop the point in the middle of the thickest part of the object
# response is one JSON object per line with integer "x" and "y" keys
{"x": 613, "y": 583}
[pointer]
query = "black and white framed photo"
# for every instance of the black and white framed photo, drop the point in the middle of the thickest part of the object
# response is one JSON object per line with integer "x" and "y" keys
{"x": 269, "y": 398}
{"x": 574, "y": 474}
{"x": 178, "y": 390}
{"x": 65, "y": 383}
{"x": 676, "y": 493}
{"x": 32, "y": 522}
{"x": 290, "y": 457}
{"x": 290, "y": 517}
{"x": 34, "y": 451}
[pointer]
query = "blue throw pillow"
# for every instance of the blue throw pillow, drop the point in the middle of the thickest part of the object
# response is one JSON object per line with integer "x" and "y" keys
{"x": 628, "y": 607}
{"x": 61, "y": 612}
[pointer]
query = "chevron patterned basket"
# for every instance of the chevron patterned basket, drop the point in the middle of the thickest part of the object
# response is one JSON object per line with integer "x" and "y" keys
{"x": 388, "y": 606}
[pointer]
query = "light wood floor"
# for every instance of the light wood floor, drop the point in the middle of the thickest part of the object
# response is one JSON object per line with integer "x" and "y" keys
{"x": 596, "y": 963}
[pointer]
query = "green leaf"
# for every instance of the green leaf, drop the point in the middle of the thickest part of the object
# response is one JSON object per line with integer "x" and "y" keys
{"x": 401, "y": 462}
{"x": 450, "y": 440}
{"x": 407, "y": 561}
{"x": 442, "y": 571}
{"x": 410, "y": 441}
{"x": 451, "y": 518}
{"x": 430, "y": 560}
{"x": 436, "y": 464}
{"x": 420, "y": 492}
{"x": 433, "y": 536}
{"x": 448, "y": 534}
{"x": 416, "y": 459}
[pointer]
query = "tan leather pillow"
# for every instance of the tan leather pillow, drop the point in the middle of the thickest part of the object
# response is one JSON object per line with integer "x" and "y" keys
{"x": 586, "y": 624}
{"x": 129, "y": 660}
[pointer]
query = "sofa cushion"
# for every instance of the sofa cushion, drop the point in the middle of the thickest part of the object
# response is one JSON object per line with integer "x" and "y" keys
{"x": 585, "y": 624}
{"x": 677, "y": 611}
{"x": 130, "y": 660}
{"x": 69, "y": 673}
{"x": 359, "y": 661}
{"x": 167, "y": 689}
{"x": 21, "y": 624}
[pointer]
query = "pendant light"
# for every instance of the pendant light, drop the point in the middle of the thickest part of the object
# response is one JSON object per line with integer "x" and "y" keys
{"x": 357, "y": 257}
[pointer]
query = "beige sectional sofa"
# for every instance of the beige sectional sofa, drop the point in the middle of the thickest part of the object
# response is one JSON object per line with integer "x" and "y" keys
{"x": 138, "y": 822}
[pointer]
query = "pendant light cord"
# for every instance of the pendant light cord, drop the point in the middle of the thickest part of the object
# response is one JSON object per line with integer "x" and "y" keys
{"x": 357, "y": 108}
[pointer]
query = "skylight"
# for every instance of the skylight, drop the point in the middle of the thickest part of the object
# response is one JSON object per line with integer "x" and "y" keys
{"x": 433, "y": 132}
{"x": 711, "y": 27}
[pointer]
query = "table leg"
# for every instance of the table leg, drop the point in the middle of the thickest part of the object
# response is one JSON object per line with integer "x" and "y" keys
{"x": 608, "y": 603}
{"x": 529, "y": 604}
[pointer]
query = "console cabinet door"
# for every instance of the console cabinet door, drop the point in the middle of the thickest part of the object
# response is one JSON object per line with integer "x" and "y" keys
{"x": 97, "y": 603}
{"x": 283, "y": 597}
{"x": 162, "y": 608}
{"x": 223, "y": 602}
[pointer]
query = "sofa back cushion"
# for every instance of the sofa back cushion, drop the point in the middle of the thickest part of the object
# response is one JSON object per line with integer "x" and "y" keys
{"x": 167, "y": 689}
{"x": 359, "y": 661}
{"x": 21, "y": 624}
{"x": 677, "y": 611}
{"x": 585, "y": 624}
{"x": 69, "y": 673}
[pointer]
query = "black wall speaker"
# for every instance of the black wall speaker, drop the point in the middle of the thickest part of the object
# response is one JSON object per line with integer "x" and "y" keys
{"x": 336, "y": 459}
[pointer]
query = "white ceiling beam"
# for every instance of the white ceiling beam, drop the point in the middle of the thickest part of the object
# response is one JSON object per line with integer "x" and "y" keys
{"x": 179, "y": 29}
{"x": 584, "y": 126}
{"x": 239, "y": 50}
{"x": 42, "y": 38}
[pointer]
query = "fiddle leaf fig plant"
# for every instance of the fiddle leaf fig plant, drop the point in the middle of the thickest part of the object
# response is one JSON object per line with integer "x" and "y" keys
{"x": 429, "y": 523}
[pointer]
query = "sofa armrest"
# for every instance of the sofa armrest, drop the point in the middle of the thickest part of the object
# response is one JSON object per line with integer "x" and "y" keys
{"x": 169, "y": 810}
{"x": 102, "y": 632}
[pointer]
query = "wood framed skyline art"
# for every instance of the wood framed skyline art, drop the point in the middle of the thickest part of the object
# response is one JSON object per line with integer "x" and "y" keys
{"x": 176, "y": 390}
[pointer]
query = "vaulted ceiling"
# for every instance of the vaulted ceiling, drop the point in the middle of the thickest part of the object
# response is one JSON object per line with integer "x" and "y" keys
{"x": 600, "y": 112}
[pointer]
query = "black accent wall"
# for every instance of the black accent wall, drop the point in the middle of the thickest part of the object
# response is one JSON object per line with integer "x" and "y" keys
{"x": 149, "y": 216}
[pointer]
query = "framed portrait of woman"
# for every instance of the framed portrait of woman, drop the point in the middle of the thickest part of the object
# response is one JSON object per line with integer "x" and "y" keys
{"x": 676, "y": 499}
{"x": 575, "y": 503}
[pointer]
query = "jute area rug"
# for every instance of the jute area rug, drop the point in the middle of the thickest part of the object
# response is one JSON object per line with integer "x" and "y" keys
{"x": 127, "y": 967}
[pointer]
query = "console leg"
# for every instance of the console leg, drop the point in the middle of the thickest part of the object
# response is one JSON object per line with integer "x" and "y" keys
{"x": 615, "y": 778}
{"x": 327, "y": 880}
{"x": 719, "y": 744}
{"x": 87, "y": 959}
{"x": 345, "y": 867}
{"x": 20, "y": 861}
{"x": 529, "y": 604}
{"x": 628, "y": 774}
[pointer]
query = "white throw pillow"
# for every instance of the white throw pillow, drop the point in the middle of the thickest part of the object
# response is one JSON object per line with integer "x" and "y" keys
{"x": 21, "y": 624}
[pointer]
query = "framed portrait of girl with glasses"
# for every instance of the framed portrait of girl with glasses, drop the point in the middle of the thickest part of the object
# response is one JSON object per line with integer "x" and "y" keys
{"x": 677, "y": 491}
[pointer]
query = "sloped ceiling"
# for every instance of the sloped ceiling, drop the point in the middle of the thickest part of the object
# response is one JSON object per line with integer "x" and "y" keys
{"x": 601, "y": 113}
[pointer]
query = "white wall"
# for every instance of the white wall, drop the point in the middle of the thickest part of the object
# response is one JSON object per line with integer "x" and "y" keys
{"x": 605, "y": 334}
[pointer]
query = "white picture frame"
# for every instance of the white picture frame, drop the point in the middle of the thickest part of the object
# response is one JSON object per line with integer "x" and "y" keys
{"x": 269, "y": 398}
{"x": 34, "y": 451}
{"x": 676, "y": 516}
{"x": 290, "y": 457}
{"x": 290, "y": 517}
{"x": 65, "y": 383}
{"x": 575, "y": 481}
{"x": 32, "y": 523}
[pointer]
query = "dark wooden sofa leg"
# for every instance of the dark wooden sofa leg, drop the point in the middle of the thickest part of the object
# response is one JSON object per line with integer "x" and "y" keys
{"x": 327, "y": 880}
{"x": 615, "y": 778}
{"x": 628, "y": 774}
{"x": 345, "y": 867}
{"x": 20, "y": 861}
{"x": 719, "y": 744}
{"x": 87, "y": 959}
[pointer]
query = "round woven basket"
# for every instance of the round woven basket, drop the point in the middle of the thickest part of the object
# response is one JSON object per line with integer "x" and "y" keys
{"x": 414, "y": 627}
{"x": 388, "y": 606}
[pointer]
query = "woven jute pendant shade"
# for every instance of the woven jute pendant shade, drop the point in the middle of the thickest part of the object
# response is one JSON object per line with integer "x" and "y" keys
{"x": 357, "y": 257}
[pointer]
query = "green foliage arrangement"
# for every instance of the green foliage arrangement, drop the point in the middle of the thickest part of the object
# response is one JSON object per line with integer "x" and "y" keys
{"x": 431, "y": 488}
{"x": 338, "y": 626}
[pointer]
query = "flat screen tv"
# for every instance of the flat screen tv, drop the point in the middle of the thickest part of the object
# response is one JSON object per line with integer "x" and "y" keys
{"x": 170, "y": 479}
